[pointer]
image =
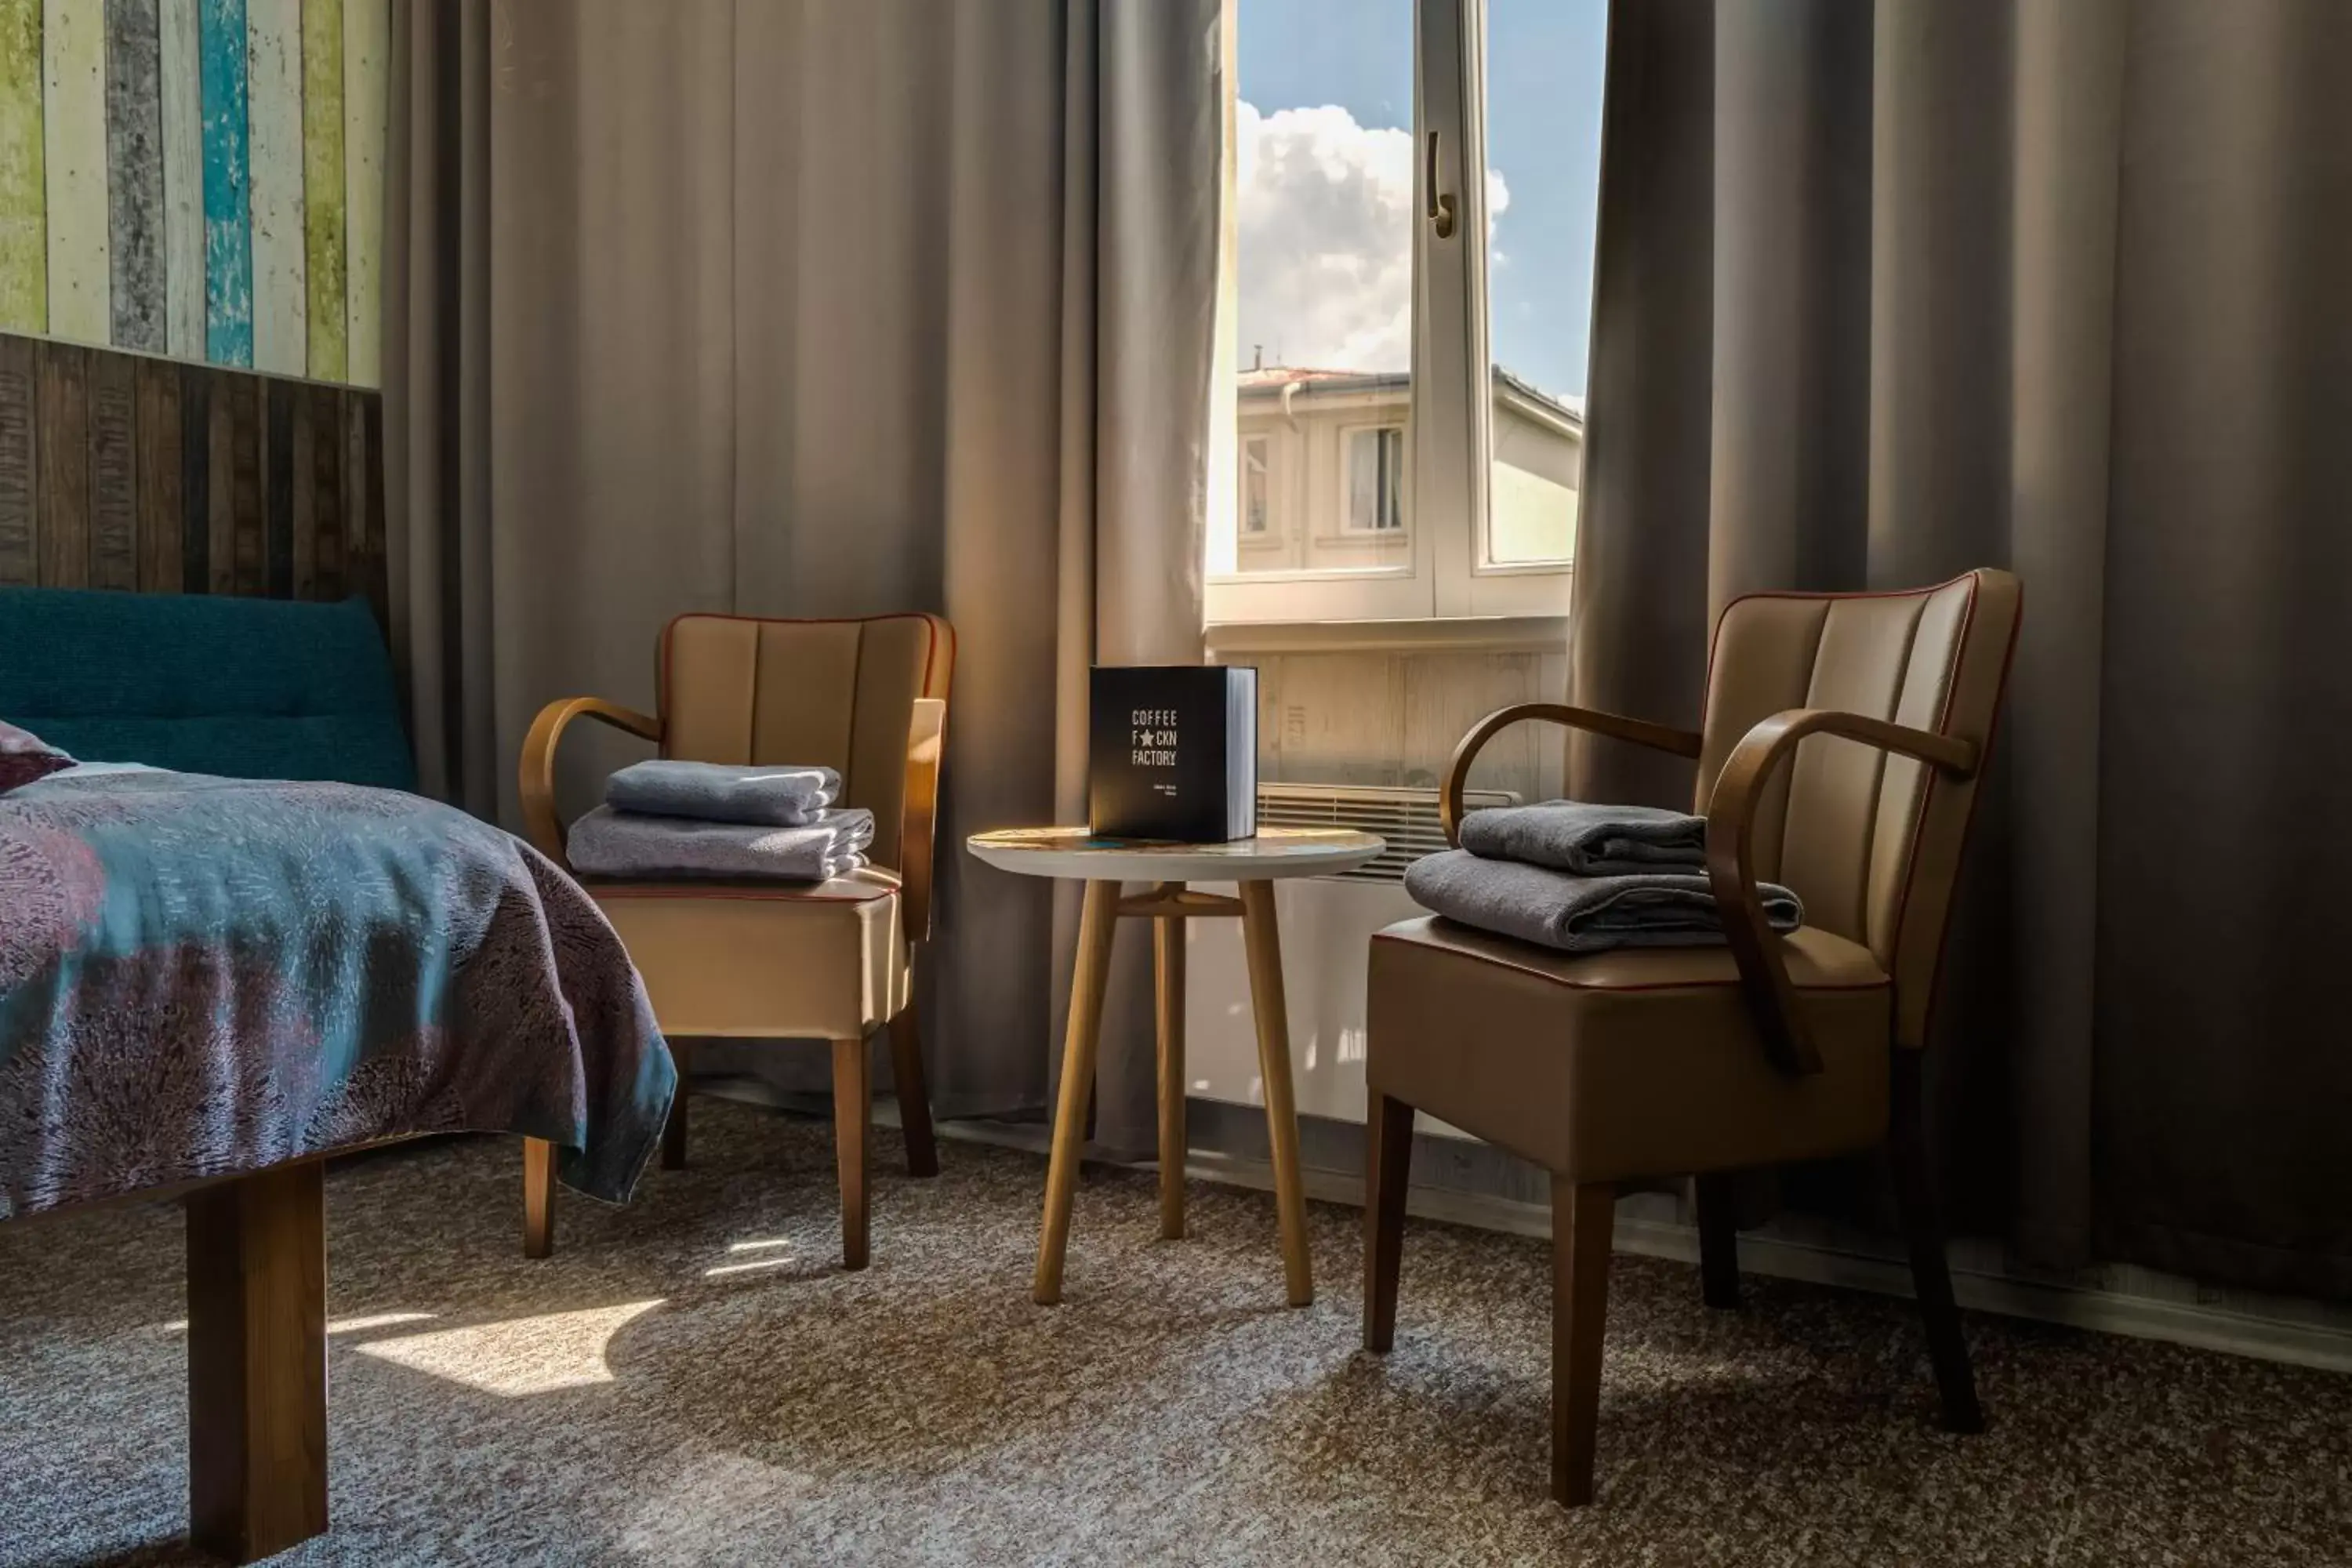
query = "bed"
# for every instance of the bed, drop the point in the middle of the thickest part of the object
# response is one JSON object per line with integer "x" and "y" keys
{"x": 210, "y": 984}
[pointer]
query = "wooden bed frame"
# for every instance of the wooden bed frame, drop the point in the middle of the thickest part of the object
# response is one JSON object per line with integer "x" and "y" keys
{"x": 257, "y": 1352}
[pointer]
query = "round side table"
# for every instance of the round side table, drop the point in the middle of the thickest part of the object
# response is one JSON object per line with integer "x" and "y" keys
{"x": 1103, "y": 864}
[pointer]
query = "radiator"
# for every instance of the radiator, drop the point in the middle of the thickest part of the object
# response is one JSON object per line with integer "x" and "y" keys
{"x": 1327, "y": 928}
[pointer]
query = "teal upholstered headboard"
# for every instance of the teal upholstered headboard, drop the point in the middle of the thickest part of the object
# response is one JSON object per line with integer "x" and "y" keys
{"x": 260, "y": 689}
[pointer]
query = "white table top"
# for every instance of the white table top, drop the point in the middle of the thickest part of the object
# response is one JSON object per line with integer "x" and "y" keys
{"x": 1275, "y": 852}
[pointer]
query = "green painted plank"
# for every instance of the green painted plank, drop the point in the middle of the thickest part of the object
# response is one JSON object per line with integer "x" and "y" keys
{"x": 73, "y": 103}
{"x": 24, "y": 181}
{"x": 274, "y": 102}
{"x": 323, "y": 221}
{"x": 367, "y": 64}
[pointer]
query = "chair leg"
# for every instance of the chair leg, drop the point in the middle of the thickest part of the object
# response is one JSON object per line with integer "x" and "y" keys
{"x": 914, "y": 1094}
{"x": 538, "y": 1197}
{"x": 853, "y": 1112}
{"x": 673, "y": 1143}
{"x": 1581, "y": 1215}
{"x": 1388, "y": 1163}
{"x": 1923, "y": 1231}
{"x": 1718, "y": 1242}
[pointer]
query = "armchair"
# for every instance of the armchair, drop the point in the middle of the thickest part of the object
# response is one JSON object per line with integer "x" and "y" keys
{"x": 1839, "y": 754}
{"x": 767, "y": 961}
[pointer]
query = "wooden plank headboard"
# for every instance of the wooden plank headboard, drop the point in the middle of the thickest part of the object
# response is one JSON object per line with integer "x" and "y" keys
{"x": 120, "y": 470}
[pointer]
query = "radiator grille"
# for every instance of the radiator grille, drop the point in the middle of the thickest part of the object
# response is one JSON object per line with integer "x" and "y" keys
{"x": 1407, "y": 818}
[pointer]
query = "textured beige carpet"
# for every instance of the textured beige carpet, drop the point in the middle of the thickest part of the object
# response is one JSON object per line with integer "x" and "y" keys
{"x": 690, "y": 1380}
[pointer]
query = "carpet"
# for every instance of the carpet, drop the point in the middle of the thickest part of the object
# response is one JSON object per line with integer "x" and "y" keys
{"x": 691, "y": 1379}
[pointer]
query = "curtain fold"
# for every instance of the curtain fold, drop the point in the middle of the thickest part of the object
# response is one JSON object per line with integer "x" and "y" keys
{"x": 1888, "y": 291}
{"x": 811, "y": 309}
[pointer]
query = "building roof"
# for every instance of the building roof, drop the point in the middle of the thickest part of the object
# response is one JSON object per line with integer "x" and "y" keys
{"x": 1271, "y": 381}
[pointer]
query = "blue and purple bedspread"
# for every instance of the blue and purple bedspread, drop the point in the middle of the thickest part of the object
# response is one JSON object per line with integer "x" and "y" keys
{"x": 203, "y": 976}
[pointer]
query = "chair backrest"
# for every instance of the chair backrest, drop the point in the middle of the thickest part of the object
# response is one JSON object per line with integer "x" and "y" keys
{"x": 248, "y": 688}
{"x": 1870, "y": 842}
{"x": 838, "y": 694}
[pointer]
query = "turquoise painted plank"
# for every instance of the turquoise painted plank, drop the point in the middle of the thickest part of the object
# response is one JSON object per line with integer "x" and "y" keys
{"x": 134, "y": 156}
{"x": 227, "y": 159}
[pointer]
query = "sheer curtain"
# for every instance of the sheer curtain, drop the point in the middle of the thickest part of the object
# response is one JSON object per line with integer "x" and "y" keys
{"x": 1890, "y": 291}
{"x": 812, "y": 309}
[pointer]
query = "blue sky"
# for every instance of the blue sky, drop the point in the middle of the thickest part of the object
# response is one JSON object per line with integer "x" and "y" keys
{"x": 1543, "y": 135}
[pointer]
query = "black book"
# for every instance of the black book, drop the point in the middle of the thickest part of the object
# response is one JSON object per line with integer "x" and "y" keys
{"x": 1172, "y": 752}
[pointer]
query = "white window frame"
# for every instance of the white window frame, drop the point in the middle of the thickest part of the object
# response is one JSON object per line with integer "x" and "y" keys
{"x": 1448, "y": 454}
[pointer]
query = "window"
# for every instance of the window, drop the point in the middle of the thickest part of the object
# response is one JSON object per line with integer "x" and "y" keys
{"x": 1376, "y": 480}
{"x": 1256, "y": 499}
{"x": 1409, "y": 266}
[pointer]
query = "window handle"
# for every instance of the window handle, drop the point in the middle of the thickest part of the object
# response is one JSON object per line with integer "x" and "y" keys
{"x": 1441, "y": 208}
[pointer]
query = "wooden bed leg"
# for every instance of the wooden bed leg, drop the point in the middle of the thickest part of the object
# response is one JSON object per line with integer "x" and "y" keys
{"x": 258, "y": 1362}
{"x": 537, "y": 1198}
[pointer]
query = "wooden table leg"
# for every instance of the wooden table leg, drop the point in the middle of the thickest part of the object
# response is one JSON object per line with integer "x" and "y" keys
{"x": 1263, "y": 941}
{"x": 1168, "y": 976}
{"x": 1096, "y": 924}
{"x": 258, "y": 1362}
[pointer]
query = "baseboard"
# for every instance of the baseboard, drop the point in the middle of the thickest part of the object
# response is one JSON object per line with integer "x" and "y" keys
{"x": 1642, "y": 1230}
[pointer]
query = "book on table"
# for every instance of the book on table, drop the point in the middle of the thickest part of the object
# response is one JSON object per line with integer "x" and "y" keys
{"x": 1172, "y": 752}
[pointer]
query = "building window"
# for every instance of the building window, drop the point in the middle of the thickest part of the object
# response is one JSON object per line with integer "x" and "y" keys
{"x": 1413, "y": 194}
{"x": 1257, "y": 487}
{"x": 1376, "y": 480}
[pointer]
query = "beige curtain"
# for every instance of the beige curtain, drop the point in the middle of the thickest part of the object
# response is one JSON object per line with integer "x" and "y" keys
{"x": 1890, "y": 291}
{"x": 814, "y": 308}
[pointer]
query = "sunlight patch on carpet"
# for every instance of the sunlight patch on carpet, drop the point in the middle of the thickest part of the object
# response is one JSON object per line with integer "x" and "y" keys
{"x": 517, "y": 1357}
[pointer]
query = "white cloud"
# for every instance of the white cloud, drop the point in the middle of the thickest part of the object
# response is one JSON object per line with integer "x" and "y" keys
{"x": 1324, "y": 214}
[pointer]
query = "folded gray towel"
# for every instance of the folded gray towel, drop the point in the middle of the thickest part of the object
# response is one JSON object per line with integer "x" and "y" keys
{"x": 1581, "y": 914}
{"x": 608, "y": 843}
{"x": 716, "y": 791}
{"x": 1589, "y": 841}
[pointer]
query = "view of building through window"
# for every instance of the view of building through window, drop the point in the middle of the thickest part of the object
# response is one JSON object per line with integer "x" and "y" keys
{"x": 1332, "y": 176}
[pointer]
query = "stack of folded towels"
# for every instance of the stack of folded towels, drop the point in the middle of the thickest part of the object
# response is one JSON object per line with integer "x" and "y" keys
{"x": 1584, "y": 878}
{"x": 665, "y": 819}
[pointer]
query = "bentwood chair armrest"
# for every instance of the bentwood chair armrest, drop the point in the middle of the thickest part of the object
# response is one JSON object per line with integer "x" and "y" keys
{"x": 1739, "y": 789}
{"x": 1658, "y": 737}
{"x": 919, "y": 811}
{"x": 541, "y": 825}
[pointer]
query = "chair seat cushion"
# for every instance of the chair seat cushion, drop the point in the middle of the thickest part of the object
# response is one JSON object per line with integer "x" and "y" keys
{"x": 779, "y": 960}
{"x": 1636, "y": 1062}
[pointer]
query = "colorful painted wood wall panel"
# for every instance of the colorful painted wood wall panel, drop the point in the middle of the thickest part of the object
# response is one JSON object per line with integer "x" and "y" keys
{"x": 122, "y": 472}
{"x": 198, "y": 178}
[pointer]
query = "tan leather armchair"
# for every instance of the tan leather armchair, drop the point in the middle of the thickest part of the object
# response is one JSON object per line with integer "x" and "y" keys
{"x": 764, "y": 960}
{"x": 1839, "y": 754}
